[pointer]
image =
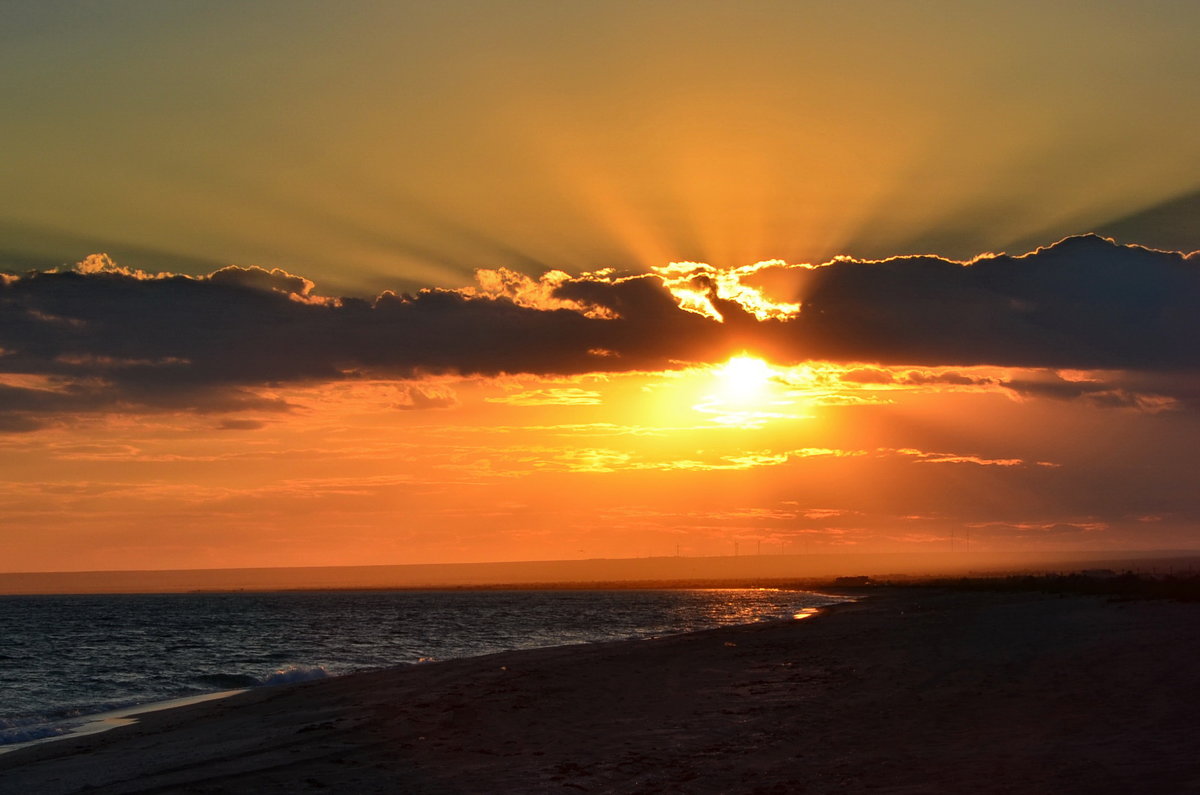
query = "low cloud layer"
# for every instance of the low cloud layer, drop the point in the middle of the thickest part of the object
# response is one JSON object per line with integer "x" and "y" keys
{"x": 102, "y": 337}
{"x": 1082, "y": 303}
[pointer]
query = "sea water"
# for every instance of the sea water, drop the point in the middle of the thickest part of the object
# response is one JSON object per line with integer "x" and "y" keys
{"x": 63, "y": 658}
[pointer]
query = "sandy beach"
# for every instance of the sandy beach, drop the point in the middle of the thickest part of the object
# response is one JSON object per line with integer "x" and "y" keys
{"x": 908, "y": 691}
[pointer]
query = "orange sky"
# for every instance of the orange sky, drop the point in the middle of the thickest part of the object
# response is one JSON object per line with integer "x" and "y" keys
{"x": 282, "y": 284}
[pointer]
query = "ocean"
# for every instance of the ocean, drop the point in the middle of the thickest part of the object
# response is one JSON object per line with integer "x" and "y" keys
{"x": 64, "y": 658}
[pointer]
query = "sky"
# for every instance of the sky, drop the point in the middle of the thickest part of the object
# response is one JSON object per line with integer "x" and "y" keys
{"x": 303, "y": 284}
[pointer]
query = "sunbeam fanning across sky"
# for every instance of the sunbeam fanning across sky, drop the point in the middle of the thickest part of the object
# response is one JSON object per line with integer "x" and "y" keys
{"x": 405, "y": 145}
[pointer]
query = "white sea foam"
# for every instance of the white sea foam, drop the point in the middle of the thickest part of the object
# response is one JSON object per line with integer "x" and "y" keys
{"x": 27, "y": 730}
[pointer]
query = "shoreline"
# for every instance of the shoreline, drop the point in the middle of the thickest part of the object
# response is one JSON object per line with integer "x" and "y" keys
{"x": 88, "y": 723}
{"x": 109, "y": 719}
{"x": 908, "y": 691}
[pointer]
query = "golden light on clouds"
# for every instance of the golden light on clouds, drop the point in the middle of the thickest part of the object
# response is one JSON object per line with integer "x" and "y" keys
{"x": 696, "y": 284}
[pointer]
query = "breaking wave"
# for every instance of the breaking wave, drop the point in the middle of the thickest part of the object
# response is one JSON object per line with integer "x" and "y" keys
{"x": 14, "y": 731}
{"x": 295, "y": 673}
{"x": 282, "y": 676}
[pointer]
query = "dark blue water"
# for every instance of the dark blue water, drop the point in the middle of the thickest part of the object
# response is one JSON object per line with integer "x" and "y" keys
{"x": 63, "y": 657}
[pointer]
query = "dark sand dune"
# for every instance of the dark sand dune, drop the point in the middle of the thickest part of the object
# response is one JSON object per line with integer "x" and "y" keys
{"x": 908, "y": 692}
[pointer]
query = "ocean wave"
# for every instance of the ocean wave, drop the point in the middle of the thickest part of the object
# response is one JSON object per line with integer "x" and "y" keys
{"x": 23, "y": 731}
{"x": 40, "y": 727}
{"x": 281, "y": 676}
{"x": 295, "y": 673}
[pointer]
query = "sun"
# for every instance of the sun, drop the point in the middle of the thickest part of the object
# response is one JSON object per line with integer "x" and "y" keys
{"x": 744, "y": 392}
{"x": 744, "y": 377}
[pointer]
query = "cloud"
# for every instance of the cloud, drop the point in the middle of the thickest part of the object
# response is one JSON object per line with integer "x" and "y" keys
{"x": 275, "y": 279}
{"x": 607, "y": 460}
{"x": 19, "y": 423}
{"x": 923, "y": 457}
{"x": 113, "y": 338}
{"x": 425, "y": 396}
{"x": 942, "y": 378}
{"x": 1052, "y": 528}
{"x": 109, "y": 338}
{"x": 1084, "y": 302}
{"x": 1170, "y": 224}
{"x": 555, "y": 396}
{"x": 868, "y": 375}
{"x": 231, "y": 424}
{"x": 1149, "y": 392}
{"x": 704, "y": 290}
{"x": 541, "y": 293}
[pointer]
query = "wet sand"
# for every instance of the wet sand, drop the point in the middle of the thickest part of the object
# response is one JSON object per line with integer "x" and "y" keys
{"x": 909, "y": 691}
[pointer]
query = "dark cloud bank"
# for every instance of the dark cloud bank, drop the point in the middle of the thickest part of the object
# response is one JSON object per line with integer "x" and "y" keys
{"x": 103, "y": 337}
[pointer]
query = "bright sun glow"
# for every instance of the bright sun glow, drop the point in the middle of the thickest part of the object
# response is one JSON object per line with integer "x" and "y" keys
{"x": 747, "y": 394}
{"x": 744, "y": 377}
